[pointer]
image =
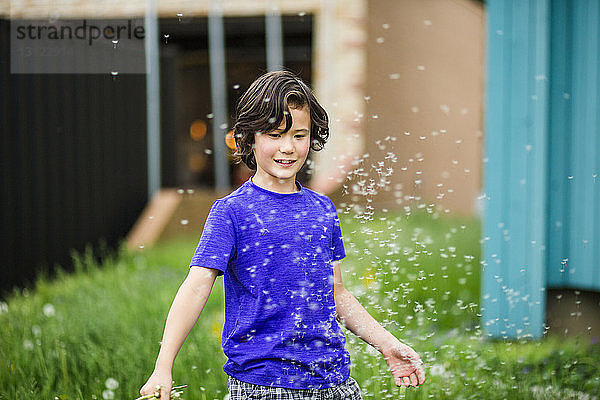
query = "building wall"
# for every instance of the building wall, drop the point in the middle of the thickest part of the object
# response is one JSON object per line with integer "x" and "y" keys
{"x": 541, "y": 186}
{"x": 424, "y": 91}
{"x": 73, "y": 150}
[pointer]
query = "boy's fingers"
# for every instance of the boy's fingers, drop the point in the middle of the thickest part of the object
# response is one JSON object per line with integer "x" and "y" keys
{"x": 420, "y": 375}
{"x": 413, "y": 379}
{"x": 406, "y": 381}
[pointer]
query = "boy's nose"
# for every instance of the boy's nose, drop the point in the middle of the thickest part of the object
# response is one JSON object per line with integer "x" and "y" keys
{"x": 286, "y": 145}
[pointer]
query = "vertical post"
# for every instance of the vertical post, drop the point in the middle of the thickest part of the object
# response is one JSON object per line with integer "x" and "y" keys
{"x": 274, "y": 38}
{"x": 152, "y": 97}
{"x": 216, "y": 48}
{"x": 514, "y": 278}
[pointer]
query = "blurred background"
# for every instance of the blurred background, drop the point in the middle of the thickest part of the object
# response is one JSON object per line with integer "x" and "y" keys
{"x": 75, "y": 169}
{"x": 93, "y": 155}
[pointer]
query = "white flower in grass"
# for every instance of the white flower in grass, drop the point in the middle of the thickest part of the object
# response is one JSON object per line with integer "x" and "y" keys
{"x": 49, "y": 310}
{"x": 36, "y": 330}
{"x": 108, "y": 394}
{"x": 28, "y": 344}
{"x": 111, "y": 383}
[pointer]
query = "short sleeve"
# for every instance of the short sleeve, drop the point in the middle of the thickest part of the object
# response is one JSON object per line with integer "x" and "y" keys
{"x": 217, "y": 243}
{"x": 337, "y": 243}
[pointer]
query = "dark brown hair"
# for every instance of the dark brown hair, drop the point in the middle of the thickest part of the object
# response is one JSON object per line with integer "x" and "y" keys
{"x": 263, "y": 107}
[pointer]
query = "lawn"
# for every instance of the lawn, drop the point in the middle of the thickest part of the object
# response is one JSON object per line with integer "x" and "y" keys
{"x": 95, "y": 333}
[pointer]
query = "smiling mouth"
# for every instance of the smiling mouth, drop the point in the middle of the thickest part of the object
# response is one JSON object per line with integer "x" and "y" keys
{"x": 285, "y": 162}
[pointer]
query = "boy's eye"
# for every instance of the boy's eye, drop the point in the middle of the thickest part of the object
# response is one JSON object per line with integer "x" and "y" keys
{"x": 276, "y": 135}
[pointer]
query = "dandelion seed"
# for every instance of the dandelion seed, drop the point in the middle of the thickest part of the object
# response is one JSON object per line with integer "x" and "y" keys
{"x": 27, "y": 344}
{"x": 108, "y": 394}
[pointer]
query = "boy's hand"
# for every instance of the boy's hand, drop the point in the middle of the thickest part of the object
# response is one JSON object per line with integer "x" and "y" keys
{"x": 158, "y": 378}
{"x": 405, "y": 365}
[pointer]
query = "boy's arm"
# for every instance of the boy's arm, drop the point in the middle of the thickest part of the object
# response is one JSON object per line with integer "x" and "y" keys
{"x": 404, "y": 363}
{"x": 185, "y": 310}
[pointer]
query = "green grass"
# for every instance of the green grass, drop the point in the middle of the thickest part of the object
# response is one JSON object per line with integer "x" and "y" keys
{"x": 67, "y": 336}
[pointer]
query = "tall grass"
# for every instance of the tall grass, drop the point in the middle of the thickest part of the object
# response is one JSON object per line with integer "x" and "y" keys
{"x": 416, "y": 274}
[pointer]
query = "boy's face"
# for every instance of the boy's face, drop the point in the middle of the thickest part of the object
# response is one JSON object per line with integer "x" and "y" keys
{"x": 273, "y": 147}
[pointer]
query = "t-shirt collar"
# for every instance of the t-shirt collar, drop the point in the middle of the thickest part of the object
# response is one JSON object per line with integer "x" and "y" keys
{"x": 276, "y": 194}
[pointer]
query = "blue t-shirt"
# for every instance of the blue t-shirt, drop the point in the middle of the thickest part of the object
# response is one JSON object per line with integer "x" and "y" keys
{"x": 275, "y": 252}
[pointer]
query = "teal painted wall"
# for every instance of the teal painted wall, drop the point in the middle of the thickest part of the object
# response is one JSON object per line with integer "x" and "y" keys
{"x": 542, "y": 159}
{"x": 515, "y": 170}
{"x": 574, "y": 220}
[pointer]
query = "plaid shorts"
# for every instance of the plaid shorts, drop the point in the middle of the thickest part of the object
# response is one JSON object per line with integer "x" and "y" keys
{"x": 238, "y": 390}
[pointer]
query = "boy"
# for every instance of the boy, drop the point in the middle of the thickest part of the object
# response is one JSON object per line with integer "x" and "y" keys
{"x": 278, "y": 246}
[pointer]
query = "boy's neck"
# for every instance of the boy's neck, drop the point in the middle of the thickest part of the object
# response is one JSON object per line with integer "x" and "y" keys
{"x": 276, "y": 185}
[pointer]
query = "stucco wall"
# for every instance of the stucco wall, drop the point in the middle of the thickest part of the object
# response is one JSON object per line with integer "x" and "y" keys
{"x": 424, "y": 88}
